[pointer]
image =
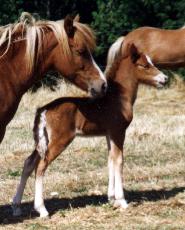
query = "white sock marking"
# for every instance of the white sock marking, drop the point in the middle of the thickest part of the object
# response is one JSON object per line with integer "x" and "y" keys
{"x": 42, "y": 143}
{"x": 39, "y": 202}
{"x": 111, "y": 185}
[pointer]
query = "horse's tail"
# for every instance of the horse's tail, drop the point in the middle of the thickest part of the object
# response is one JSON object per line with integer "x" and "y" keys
{"x": 113, "y": 52}
{"x": 40, "y": 133}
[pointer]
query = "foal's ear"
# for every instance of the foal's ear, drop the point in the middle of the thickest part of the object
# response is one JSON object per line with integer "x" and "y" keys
{"x": 68, "y": 26}
{"x": 77, "y": 18}
{"x": 135, "y": 55}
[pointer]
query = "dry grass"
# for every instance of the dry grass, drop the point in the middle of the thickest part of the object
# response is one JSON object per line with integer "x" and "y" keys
{"x": 154, "y": 169}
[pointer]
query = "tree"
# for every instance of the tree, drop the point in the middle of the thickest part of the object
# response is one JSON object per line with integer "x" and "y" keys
{"x": 10, "y": 10}
{"x": 114, "y": 18}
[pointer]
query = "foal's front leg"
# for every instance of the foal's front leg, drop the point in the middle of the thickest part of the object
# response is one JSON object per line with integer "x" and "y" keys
{"x": 115, "y": 165}
{"x": 111, "y": 183}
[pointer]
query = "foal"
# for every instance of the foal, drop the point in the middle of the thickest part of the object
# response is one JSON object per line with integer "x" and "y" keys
{"x": 57, "y": 124}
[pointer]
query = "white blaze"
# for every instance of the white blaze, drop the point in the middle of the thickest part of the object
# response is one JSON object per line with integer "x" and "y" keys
{"x": 149, "y": 60}
{"x": 102, "y": 76}
{"x": 160, "y": 78}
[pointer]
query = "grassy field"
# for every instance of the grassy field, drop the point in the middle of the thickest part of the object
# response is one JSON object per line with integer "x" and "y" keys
{"x": 154, "y": 169}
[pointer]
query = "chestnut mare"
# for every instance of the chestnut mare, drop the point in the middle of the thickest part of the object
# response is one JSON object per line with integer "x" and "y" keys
{"x": 30, "y": 48}
{"x": 166, "y": 48}
{"x": 57, "y": 123}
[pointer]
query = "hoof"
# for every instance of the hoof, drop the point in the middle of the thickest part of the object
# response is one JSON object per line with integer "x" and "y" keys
{"x": 42, "y": 211}
{"x": 44, "y": 215}
{"x": 120, "y": 204}
{"x": 16, "y": 210}
{"x": 111, "y": 200}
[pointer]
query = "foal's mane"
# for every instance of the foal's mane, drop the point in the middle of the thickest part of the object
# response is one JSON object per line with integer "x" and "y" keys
{"x": 114, "y": 58}
{"x": 33, "y": 31}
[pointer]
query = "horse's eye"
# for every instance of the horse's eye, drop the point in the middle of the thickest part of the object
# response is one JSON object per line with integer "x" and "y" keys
{"x": 80, "y": 52}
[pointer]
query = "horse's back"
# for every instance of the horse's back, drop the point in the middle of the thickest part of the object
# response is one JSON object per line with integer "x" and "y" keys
{"x": 158, "y": 43}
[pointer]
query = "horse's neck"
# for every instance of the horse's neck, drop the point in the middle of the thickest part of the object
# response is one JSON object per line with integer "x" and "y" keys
{"x": 45, "y": 56}
{"x": 52, "y": 57}
{"x": 43, "y": 61}
{"x": 14, "y": 64}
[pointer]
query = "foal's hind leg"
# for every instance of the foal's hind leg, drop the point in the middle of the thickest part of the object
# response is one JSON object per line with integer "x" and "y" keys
{"x": 29, "y": 165}
{"x": 53, "y": 151}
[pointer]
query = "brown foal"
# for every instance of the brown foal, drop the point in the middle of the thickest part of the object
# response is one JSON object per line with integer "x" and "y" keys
{"x": 57, "y": 124}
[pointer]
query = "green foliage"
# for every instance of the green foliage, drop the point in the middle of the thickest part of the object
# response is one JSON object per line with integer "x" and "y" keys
{"x": 9, "y": 11}
{"x": 13, "y": 173}
{"x": 166, "y": 13}
{"x": 114, "y": 18}
{"x": 57, "y": 9}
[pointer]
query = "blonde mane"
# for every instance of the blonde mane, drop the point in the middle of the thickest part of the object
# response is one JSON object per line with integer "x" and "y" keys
{"x": 113, "y": 58}
{"x": 33, "y": 32}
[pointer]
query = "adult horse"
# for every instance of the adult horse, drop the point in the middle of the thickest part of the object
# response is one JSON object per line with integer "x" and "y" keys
{"x": 109, "y": 116}
{"x": 166, "y": 48}
{"x": 30, "y": 48}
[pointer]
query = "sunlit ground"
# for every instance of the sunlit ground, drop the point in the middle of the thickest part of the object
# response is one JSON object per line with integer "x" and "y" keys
{"x": 154, "y": 169}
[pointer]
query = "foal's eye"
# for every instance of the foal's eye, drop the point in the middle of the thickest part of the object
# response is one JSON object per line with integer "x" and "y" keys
{"x": 142, "y": 66}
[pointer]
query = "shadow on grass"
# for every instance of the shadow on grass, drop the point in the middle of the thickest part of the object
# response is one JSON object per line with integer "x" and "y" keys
{"x": 55, "y": 204}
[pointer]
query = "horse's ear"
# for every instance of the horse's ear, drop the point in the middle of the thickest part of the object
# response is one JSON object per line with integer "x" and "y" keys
{"x": 68, "y": 26}
{"x": 135, "y": 55}
{"x": 77, "y": 18}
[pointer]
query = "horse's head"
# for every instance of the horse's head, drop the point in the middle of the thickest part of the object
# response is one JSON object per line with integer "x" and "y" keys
{"x": 78, "y": 64}
{"x": 144, "y": 69}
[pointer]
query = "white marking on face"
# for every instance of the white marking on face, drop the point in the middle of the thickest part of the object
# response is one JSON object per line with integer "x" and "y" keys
{"x": 42, "y": 143}
{"x": 149, "y": 60}
{"x": 102, "y": 76}
{"x": 161, "y": 77}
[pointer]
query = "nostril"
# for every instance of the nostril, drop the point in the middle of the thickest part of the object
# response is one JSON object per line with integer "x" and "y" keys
{"x": 104, "y": 87}
{"x": 93, "y": 92}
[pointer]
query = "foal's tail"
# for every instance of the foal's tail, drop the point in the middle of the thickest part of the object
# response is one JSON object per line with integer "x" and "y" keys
{"x": 40, "y": 132}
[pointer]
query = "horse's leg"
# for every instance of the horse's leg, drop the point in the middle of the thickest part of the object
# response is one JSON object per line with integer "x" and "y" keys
{"x": 111, "y": 181}
{"x": 116, "y": 162}
{"x": 53, "y": 151}
{"x": 29, "y": 165}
